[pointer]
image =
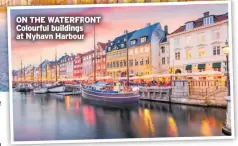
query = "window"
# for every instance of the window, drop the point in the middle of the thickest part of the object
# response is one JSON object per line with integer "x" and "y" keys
{"x": 201, "y": 38}
{"x": 131, "y": 62}
{"x": 121, "y": 63}
{"x": 208, "y": 20}
{"x": 136, "y": 51}
{"x": 162, "y": 50}
{"x": 141, "y": 61}
{"x": 201, "y": 70}
{"x": 147, "y": 61}
{"x": 163, "y": 60}
{"x": 177, "y": 42}
{"x": 217, "y": 69}
{"x": 189, "y": 71}
{"x": 188, "y": 54}
{"x": 143, "y": 39}
{"x": 133, "y": 42}
{"x": 189, "y": 26}
{"x": 136, "y": 62}
{"x": 215, "y": 34}
{"x": 216, "y": 50}
{"x": 124, "y": 62}
{"x": 122, "y": 45}
{"x": 131, "y": 52}
{"x": 177, "y": 56}
{"x": 117, "y": 64}
{"x": 141, "y": 50}
{"x": 147, "y": 49}
{"x": 188, "y": 40}
{"x": 114, "y": 64}
{"x": 201, "y": 53}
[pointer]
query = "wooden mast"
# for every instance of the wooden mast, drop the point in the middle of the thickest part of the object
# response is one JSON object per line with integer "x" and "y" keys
{"x": 56, "y": 65}
{"x": 41, "y": 72}
{"x": 127, "y": 60}
{"x": 95, "y": 57}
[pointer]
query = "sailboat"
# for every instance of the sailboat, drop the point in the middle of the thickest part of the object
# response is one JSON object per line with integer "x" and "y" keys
{"x": 103, "y": 92}
{"x": 40, "y": 90}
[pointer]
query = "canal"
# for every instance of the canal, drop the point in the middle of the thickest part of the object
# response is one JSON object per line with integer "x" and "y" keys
{"x": 53, "y": 117}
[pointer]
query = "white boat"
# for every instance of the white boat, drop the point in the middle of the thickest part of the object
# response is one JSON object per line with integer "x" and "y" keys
{"x": 57, "y": 89}
{"x": 40, "y": 90}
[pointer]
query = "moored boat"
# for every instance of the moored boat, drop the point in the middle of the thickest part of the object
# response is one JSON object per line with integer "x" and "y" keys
{"x": 98, "y": 92}
{"x": 40, "y": 90}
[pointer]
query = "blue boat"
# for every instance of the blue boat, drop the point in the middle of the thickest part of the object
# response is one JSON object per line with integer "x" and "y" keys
{"x": 98, "y": 91}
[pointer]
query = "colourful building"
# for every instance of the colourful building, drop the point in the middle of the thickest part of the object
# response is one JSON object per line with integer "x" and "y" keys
{"x": 101, "y": 60}
{"x": 116, "y": 64}
{"x": 78, "y": 66}
{"x": 70, "y": 66}
{"x": 88, "y": 60}
{"x": 62, "y": 67}
{"x": 144, "y": 47}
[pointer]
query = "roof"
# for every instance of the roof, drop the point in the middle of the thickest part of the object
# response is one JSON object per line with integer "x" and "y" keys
{"x": 199, "y": 22}
{"x": 103, "y": 45}
{"x": 62, "y": 58}
{"x": 118, "y": 41}
{"x": 144, "y": 32}
{"x": 88, "y": 53}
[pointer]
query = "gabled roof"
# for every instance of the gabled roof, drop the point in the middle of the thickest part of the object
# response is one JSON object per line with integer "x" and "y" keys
{"x": 199, "y": 22}
{"x": 143, "y": 32}
{"x": 103, "y": 45}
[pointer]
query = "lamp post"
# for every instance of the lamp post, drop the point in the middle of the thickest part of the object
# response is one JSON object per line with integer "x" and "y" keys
{"x": 226, "y": 129}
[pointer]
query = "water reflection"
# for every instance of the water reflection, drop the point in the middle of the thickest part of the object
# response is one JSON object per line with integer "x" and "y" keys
{"x": 54, "y": 117}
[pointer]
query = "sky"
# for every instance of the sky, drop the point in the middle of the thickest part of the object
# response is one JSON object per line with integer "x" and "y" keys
{"x": 115, "y": 21}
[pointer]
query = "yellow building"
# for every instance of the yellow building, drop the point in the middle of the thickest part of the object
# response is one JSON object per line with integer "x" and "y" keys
{"x": 116, "y": 62}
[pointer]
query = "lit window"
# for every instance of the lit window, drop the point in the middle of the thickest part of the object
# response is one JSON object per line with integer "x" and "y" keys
{"x": 201, "y": 52}
{"x": 177, "y": 56}
{"x": 136, "y": 62}
{"x": 147, "y": 61}
{"x": 141, "y": 61}
{"x": 189, "y": 54}
{"x": 143, "y": 39}
{"x": 147, "y": 49}
{"x": 208, "y": 20}
{"x": 216, "y": 50}
{"x": 188, "y": 40}
{"x": 141, "y": 50}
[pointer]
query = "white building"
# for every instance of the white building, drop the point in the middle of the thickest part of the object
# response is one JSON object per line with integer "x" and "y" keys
{"x": 197, "y": 45}
{"x": 70, "y": 66}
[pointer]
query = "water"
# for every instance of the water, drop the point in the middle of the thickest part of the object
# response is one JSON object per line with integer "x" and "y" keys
{"x": 51, "y": 117}
{"x": 3, "y": 70}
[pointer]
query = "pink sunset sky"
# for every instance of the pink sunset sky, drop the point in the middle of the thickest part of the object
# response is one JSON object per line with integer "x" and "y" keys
{"x": 115, "y": 21}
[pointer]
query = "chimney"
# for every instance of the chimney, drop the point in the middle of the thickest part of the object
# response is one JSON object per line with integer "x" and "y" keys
{"x": 148, "y": 25}
{"x": 166, "y": 30}
{"x": 126, "y": 31}
{"x": 205, "y": 14}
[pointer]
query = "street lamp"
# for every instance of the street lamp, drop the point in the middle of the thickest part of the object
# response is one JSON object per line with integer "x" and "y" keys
{"x": 226, "y": 129}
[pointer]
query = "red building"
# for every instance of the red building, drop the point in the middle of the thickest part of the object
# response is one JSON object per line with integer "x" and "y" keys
{"x": 78, "y": 66}
{"x": 101, "y": 59}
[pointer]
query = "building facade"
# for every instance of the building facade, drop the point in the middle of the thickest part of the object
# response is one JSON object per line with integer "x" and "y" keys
{"x": 101, "y": 60}
{"x": 62, "y": 67}
{"x": 78, "y": 66}
{"x": 144, "y": 46}
{"x": 88, "y": 60}
{"x": 70, "y": 66}
{"x": 116, "y": 63}
{"x": 197, "y": 45}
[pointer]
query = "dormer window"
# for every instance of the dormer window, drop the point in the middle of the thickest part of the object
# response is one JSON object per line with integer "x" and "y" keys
{"x": 143, "y": 39}
{"x": 111, "y": 43}
{"x": 109, "y": 48}
{"x": 122, "y": 45}
{"x": 208, "y": 20}
{"x": 189, "y": 26}
{"x": 133, "y": 42}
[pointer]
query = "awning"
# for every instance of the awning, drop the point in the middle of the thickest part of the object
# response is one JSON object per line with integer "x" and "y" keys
{"x": 216, "y": 65}
{"x": 188, "y": 67}
{"x": 201, "y": 66}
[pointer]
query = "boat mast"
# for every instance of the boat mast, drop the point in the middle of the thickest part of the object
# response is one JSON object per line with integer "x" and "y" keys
{"x": 95, "y": 57}
{"x": 41, "y": 72}
{"x": 56, "y": 65}
{"x": 127, "y": 61}
{"x": 21, "y": 70}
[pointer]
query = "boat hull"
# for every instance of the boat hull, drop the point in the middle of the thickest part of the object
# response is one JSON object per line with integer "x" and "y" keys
{"x": 40, "y": 91}
{"x": 58, "y": 89}
{"x": 110, "y": 97}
